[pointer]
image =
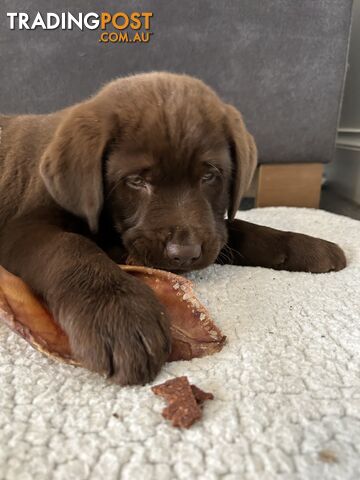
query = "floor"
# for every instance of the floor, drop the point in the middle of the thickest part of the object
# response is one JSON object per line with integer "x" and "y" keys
{"x": 330, "y": 201}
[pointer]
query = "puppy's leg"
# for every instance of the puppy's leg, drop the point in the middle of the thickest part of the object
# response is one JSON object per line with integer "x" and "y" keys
{"x": 115, "y": 324}
{"x": 255, "y": 245}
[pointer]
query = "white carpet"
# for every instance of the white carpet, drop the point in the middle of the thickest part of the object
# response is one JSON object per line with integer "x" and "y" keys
{"x": 286, "y": 386}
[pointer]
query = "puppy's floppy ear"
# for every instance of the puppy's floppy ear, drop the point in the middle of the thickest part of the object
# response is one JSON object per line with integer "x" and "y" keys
{"x": 71, "y": 166}
{"x": 244, "y": 157}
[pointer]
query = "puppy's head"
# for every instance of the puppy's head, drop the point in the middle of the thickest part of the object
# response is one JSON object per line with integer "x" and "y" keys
{"x": 166, "y": 159}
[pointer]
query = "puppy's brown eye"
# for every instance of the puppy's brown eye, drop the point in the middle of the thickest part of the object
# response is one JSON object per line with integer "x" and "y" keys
{"x": 208, "y": 177}
{"x": 135, "y": 181}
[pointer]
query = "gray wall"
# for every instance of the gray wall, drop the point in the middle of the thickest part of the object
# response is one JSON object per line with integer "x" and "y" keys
{"x": 344, "y": 173}
{"x": 350, "y": 113}
{"x": 281, "y": 62}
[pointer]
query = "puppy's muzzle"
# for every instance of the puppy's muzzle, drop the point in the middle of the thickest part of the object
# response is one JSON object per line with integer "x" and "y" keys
{"x": 182, "y": 255}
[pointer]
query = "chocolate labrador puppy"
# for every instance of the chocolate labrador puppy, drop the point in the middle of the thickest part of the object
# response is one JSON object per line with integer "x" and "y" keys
{"x": 142, "y": 172}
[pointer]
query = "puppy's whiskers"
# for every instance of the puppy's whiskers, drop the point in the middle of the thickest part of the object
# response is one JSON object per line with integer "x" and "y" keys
{"x": 225, "y": 259}
{"x": 232, "y": 251}
{"x": 114, "y": 187}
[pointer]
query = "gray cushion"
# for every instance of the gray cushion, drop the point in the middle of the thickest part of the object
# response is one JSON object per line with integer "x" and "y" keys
{"x": 281, "y": 62}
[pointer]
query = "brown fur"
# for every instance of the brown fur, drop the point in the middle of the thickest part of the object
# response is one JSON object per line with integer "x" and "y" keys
{"x": 146, "y": 167}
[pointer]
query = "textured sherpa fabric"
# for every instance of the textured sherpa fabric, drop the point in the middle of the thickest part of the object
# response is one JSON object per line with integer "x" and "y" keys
{"x": 286, "y": 385}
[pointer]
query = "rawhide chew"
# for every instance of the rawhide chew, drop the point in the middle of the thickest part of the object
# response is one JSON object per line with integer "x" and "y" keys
{"x": 193, "y": 332}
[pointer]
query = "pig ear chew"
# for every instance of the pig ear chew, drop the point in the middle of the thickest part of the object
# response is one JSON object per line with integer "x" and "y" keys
{"x": 193, "y": 333}
{"x": 244, "y": 158}
{"x": 71, "y": 166}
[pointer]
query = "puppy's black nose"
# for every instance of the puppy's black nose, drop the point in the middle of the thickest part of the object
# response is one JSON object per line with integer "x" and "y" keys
{"x": 183, "y": 255}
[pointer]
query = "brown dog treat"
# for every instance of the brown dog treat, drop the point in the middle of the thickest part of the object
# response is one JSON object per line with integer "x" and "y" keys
{"x": 172, "y": 388}
{"x": 184, "y": 401}
{"x": 181, "y": 414}
{"x": 200, "y": 395}
{"x": 193, "y": 332}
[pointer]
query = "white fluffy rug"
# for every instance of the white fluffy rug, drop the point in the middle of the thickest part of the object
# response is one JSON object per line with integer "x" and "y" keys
{"x": 286, "y": 386}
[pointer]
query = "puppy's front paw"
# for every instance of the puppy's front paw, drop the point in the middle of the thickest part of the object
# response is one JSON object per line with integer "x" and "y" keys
{"x": 310, "y": 254}
{"x": 124, "y": 333}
